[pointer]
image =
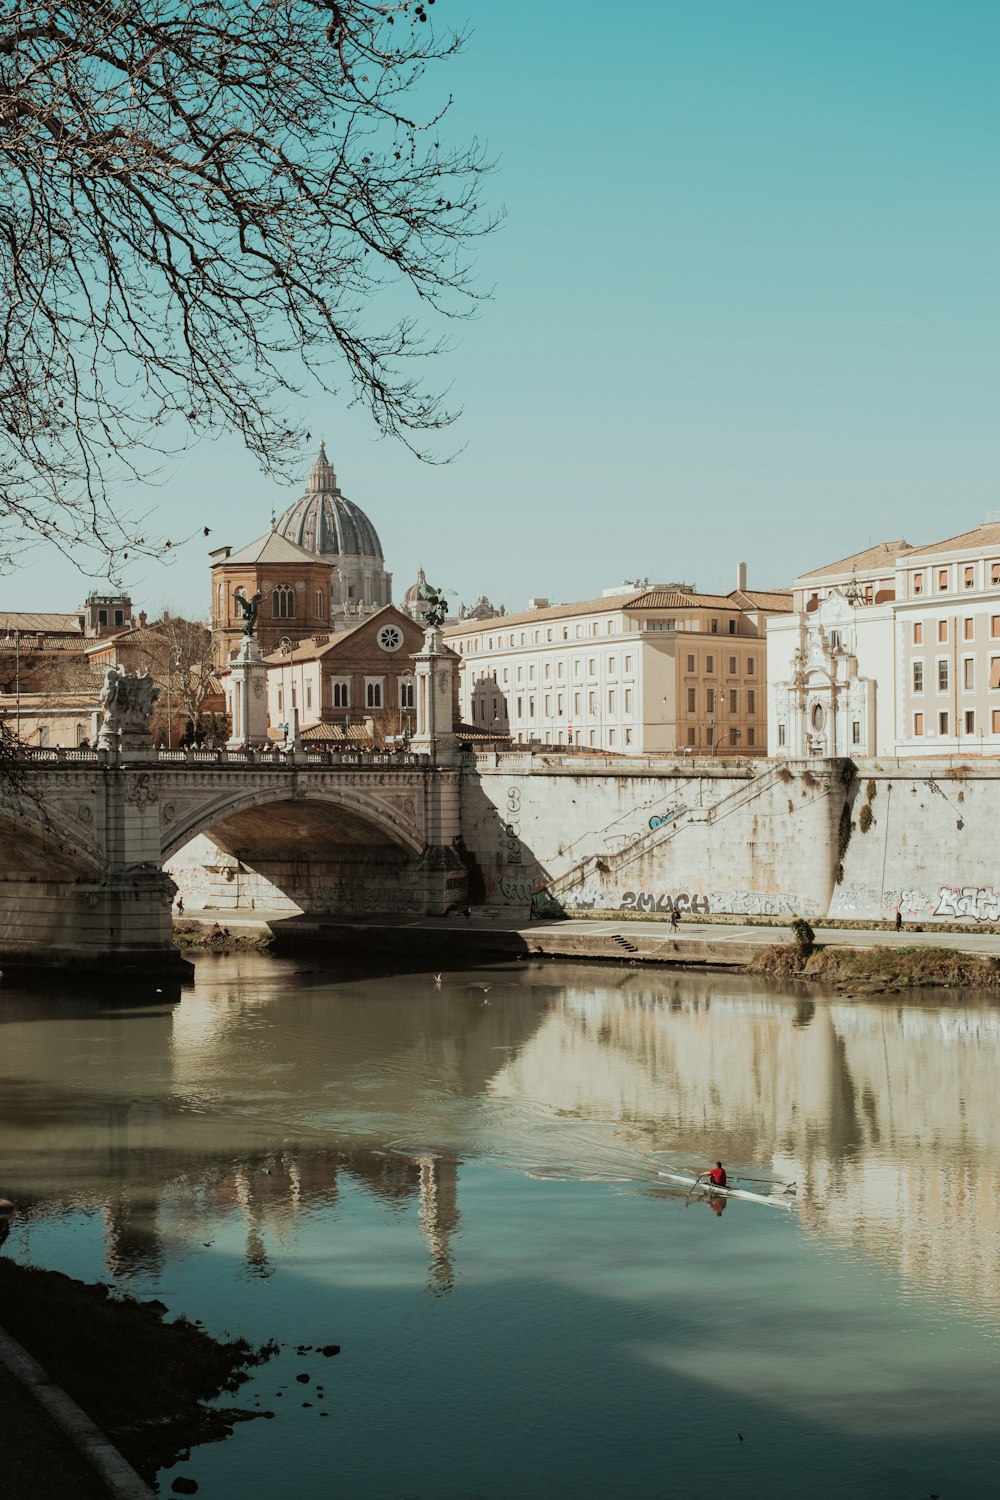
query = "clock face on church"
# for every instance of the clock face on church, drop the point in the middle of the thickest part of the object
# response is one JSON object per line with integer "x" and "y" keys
{"x": 390, "y": 637}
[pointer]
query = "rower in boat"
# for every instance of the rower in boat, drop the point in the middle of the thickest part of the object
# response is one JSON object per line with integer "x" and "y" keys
{"x": 717, "y": 1176}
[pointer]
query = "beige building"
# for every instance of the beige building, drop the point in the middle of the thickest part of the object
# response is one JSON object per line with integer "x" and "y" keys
{"x": 662, "y": 669}
{"x": 948, "y": 646}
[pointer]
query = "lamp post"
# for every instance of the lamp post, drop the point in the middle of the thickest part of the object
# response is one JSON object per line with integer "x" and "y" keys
{"x": 173, "y": 660}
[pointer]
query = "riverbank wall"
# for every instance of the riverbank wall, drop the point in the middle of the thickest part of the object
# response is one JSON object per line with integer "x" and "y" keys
{"x": 831, "y": 839}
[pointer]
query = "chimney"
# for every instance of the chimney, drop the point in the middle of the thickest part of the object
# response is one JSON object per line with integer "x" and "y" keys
{"x": 741, "y": 576}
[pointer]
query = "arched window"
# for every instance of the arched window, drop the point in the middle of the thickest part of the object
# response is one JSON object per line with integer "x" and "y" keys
{"x": 221, "y": 612}
{"x": 283, "y": 602}
{"x": 320, "y": 605}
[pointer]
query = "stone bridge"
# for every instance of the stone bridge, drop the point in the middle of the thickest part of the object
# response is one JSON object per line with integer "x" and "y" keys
{"x": 86, "y": 836}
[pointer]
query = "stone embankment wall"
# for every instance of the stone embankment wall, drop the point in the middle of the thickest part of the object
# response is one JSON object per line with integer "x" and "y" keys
{"x": 770, "y": 839}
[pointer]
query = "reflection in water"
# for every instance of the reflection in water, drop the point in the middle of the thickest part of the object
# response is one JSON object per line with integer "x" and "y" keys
{"x": 165, "y": 1120}
{"x": 298, "y": 1120}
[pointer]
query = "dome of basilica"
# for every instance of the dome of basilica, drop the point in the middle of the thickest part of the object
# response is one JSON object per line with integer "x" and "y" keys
{"x": 324, "y": 521}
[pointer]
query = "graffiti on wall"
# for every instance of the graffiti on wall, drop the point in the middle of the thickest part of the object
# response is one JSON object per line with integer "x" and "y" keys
{"x": 721, "y": 903}
{"x": 857, "y": 901}
{"x": 512, "y": 826}
{"x": 980, "y": 903}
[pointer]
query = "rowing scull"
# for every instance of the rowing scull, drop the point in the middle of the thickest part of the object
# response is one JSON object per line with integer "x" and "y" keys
{"x": 696, "y": 1184}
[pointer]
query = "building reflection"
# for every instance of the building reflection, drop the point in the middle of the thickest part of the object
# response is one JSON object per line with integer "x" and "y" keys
{"x": 264, "y": 1106}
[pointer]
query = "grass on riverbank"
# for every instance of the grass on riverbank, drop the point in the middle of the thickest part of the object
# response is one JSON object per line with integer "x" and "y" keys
{"x": 202, "y": 937}
{"x": 142, "y": 1380}
{"x": 871, "y": 970}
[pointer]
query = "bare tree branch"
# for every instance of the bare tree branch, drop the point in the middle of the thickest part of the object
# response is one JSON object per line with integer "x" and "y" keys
{"x": 200, "y": 200}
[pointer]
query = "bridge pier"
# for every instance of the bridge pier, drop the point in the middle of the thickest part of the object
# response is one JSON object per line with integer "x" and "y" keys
{"x": 120, "y": 924}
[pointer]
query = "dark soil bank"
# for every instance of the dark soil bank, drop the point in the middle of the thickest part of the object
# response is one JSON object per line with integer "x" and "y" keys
{"x": 142, "y": 1380}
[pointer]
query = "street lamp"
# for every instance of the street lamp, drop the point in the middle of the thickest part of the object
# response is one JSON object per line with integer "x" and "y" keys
{"x": 173, "y": 660}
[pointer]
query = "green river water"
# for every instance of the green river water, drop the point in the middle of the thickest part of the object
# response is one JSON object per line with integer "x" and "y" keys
{"x": 459, "y": 1186}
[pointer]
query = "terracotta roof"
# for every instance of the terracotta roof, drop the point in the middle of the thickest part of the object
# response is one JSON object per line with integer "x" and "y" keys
{"x": 30, "y": 623}
{"x": 777, "y": 600}
{"x": 535, "y": 616}
{"x": 270, "y": 548}
{"x": 330, "y": 734}
{"x": 987, "y": 535}
{"x": 677, "y": 599}
{"x": 882, "y": 555}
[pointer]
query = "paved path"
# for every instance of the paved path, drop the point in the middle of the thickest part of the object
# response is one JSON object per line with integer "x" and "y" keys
{"x": 694, "y": 941}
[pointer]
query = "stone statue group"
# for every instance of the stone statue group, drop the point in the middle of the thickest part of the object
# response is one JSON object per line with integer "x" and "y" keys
{"x": 126, "y": 703}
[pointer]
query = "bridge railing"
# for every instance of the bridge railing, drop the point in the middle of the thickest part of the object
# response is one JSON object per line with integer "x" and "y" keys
{"x": 280, "y": 758}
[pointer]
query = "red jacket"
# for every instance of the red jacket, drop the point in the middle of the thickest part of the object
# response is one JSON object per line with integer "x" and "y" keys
{"x": 718, "y": 1176}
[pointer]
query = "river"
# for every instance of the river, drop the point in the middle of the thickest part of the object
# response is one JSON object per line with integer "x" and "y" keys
{"x": 457, "y": 1182}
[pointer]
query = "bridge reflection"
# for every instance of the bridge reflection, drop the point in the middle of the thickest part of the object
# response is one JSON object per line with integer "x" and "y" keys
{"x": 268, "y": 1090}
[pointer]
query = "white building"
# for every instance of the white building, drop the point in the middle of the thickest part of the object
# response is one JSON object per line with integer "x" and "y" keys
{"x": 893, "y": 651}
{"x": 831, "y": 662}
{"x": 637, "y": 670}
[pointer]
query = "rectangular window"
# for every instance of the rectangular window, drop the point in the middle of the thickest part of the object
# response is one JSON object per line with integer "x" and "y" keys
{"x": 995, "y": 626}
{"x": 531, "y": 706}
{"x": 732, "y": 700}
{"x": 969, "y": 673}
{"x": 576, "y": 704}
{"x": 732, "y": 627}
{"x": 943, "y": 675}
{"x": 43, "y": 736}
{"x": 520, "y": 708}
{"x": 559, "y": 703}
{"x": 918, "y": 587}
{"x": 693, "y": 736}
{"x": 591, "y": 668}
{"x": 612, "y": 666}
{"x": 628, "y": 663}
{"x": 281, "y": 701}
{"x": 732, "y": 666}
{"x": 918, "y": 676}
{"x": 715, "y": 627}
{"x": 628, "y": 700}
{"x": 710, "y": 700}
{"x": 592, "y": 704}
{"x": 996, "y": 721}
{"x": 751, "y": 666}
{"x": 969, "y": 630}
{"x": 692, "y": 700}
{"x": 628, "y": 736}
{"x": 918, "y": 633}
{"x": 309, "y": 695}
{"x": 781, "y": 734}
{"x": 969, "y": 577}
{"x": 611, "y": 700}
{"x": 995, "y": 672}
{"x": 520, "y": 674}
{"x": 611, "y": 736}
{"x": 943, "y": 722}
{"x": 918, "y": 724}
{"x": 942, "y": 580}
{"x": 855, "y": 732}
{"x": 751, "y": 737}
{"x": 942, "y": 630}
{"x": 970, "y": 721}
{"x": 548, "y": 705}
{"x": 690, "y": 663}
{"x": 995, "y": 572}
{"x": 341, "y": 694}
{"x": 373, "y": 692}
{"x": 751, "y": 701}
{"x": 709, "y": 664}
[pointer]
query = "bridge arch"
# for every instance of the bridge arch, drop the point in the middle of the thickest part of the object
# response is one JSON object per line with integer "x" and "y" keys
{"x": 396, "y": 827}
{"x": 33, "y": 847}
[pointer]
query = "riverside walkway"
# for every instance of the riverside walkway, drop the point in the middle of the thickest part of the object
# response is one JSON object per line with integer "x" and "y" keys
{"x": 488, "y": 931}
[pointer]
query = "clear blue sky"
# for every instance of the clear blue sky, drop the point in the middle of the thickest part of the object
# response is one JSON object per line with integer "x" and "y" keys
{"x": 746, "y": 306}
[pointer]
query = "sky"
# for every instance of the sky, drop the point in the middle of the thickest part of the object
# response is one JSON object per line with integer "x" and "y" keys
{"x": 745, "y": 307}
